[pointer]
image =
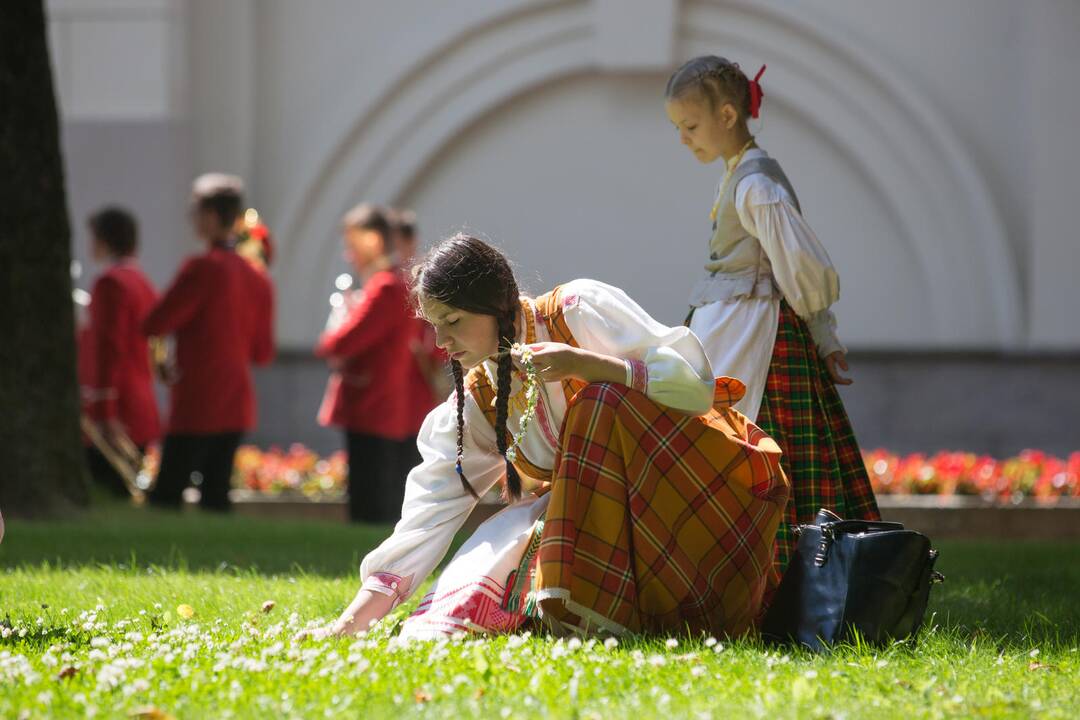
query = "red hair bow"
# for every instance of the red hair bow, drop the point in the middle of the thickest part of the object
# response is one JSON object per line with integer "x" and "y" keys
{"x": 756, "y": 93}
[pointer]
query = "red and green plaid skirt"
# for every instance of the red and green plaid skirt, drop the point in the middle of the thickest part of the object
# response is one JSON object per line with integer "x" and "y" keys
{"x": 803, "y": 412}
{"x": 658, "y": 521}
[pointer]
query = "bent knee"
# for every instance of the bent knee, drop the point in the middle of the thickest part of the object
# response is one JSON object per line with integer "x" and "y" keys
{"x": 605, "y": 392}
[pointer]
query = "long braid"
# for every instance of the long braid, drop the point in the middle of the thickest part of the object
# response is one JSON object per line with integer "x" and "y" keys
{"x": 465, "y": 273}
{"x": 502, "y": 399}
{"x": 459, "y": 387}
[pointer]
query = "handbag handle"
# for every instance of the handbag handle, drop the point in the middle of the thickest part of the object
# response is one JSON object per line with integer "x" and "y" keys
{"x": 850, "y": 526}
{"x": 829, "y": 530}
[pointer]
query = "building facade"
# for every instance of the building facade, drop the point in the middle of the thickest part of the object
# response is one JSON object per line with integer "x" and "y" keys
{"x": 931, "y": 145}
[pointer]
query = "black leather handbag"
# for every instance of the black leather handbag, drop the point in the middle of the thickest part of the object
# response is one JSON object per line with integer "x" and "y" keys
{"x": 849, "y": 577}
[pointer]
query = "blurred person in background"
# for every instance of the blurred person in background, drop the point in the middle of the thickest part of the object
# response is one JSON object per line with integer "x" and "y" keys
{"x": 429, "y": 380}
{"x": 367, "y": 346}
{"x": 114, "y": 353}
{"x": 220, "y": 310}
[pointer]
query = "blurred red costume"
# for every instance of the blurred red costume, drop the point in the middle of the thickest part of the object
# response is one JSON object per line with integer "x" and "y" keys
{"x": 221, "y": 311}
{"x": 368, "y": 394}
{"x": 115, "y": 356}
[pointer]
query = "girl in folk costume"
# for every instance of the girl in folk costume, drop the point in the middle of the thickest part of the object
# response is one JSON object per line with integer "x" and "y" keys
{"x": 762, "y": 309}
{"x": 641, "y": 501}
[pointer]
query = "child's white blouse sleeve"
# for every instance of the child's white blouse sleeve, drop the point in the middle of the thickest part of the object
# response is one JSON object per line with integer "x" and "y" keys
{"x": 668, "y": 364}
{"x": 802, "y": 268}
{"x": 436, "y": 505}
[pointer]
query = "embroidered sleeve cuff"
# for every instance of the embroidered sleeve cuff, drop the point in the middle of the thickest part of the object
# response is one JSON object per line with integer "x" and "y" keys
{"x": 386, "y": 584}
{"x": 637, "y": 375}
{"x": 823, "y": 330}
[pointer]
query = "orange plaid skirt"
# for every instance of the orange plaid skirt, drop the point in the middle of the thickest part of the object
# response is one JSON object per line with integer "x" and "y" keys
{"x": 658, "y": 521}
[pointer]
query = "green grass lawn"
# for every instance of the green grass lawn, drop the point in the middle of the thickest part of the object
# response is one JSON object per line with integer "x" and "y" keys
{"x": 90, "y": 627}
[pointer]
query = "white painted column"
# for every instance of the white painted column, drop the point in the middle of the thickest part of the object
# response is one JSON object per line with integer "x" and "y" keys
{"x": 1054, "y": 289}
{"x": 223, "y": 56}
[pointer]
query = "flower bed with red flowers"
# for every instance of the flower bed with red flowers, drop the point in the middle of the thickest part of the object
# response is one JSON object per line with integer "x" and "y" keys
{"x": 1031, "y": 474}
{"x": 947, "y": 495}
{"x": 301, "y": 472}
{"x": 297, "y": 470}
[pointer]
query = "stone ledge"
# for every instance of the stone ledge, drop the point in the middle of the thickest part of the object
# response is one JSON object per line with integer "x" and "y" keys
{"x": 972, "y": 518}
{"x": 940, "y": 518}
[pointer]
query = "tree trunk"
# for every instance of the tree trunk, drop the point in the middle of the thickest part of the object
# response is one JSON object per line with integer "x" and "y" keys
{"x": 41, "y": 458}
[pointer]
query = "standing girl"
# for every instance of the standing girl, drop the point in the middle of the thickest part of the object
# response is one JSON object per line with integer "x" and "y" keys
{"x": 762, "y": 309}
{"x": 643, "y": 503}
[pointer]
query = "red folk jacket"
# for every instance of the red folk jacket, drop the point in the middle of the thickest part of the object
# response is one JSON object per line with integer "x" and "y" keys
{"x": 426, "y": 359}
{"x": 368, "y": 391}
{"x": 221, "y": 311}
{"x": 115, "y": 355}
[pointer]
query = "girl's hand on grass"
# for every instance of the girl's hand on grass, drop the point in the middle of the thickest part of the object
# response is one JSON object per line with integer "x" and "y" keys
{"x": 366, "y": 609}
{"x": 836, "y": 362}
{"x": 319, "y": 633}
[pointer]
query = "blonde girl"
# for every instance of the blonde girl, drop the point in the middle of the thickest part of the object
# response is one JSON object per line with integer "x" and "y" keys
{"x": 761, "y": 308}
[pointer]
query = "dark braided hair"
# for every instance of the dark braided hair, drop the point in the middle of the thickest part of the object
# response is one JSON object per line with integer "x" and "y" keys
{"x": 466, "y": 273}
{"x": 716, "y": 79}
{"x": 459, "y": 389}
{"x": 502, "y": 398}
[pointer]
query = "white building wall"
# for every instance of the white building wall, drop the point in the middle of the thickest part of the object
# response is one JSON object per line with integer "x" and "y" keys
{"x": 122, "y": 83}
{"x": 932, "y": 144}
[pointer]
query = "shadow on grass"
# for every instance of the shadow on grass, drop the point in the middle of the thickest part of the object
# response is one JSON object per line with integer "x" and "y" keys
{"x": 1000, "y": 591}
{"x": 118, "y": 534}
{"x": 1009, "y": 591}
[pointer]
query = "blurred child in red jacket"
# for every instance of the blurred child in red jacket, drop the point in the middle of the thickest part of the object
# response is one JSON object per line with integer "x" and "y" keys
{"x": 220, "y": 310}
{"x": 118, "y": 386}
{"x": 368, "y": 353}
{"x": 428, "y": 380}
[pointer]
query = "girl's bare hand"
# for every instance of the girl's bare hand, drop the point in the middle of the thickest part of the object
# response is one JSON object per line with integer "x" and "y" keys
{"x": 553, "y": 360}
{"x": 836, "y": 362}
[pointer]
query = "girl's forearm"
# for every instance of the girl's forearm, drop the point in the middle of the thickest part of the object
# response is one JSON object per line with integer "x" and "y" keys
{"x": 366, "y": 609}
{"x": 597, "y": 367}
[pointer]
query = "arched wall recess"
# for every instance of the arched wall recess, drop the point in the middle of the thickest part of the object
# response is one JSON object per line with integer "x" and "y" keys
{"x": 884, "y": 125}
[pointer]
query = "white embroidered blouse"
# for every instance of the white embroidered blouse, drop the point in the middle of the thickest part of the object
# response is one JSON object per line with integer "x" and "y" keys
{"x": 738, "y": 335}
{"x": 668, "y": 363}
